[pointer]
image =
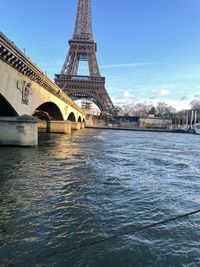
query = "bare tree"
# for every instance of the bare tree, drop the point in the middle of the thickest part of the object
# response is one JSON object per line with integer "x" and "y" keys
{"x": 141, "y": 109}
{"x": 195, "y": 104}
{"x": 164, "y": 110}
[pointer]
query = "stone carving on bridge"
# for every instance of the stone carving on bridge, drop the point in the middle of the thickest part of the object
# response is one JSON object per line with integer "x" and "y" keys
{"x": 26, "y": 90}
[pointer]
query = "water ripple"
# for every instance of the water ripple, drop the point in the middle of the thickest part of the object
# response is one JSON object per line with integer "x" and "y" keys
{"x": 91, "y": 184}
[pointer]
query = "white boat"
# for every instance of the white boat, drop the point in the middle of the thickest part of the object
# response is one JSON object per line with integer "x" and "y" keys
{"x": 197, "y": 128}
{"x": 184, "y": 127}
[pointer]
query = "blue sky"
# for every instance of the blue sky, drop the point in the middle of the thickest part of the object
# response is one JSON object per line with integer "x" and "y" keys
{"x": 148, "y": 50}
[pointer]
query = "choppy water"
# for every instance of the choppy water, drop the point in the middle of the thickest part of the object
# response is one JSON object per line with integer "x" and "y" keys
{"x": 95, "y": 183}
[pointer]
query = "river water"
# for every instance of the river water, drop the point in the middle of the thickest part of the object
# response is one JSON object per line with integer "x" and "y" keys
{"x": 79, "y": 188}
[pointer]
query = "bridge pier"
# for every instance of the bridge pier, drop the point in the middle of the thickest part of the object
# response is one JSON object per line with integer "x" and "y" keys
{"x": 19, "y": 131}
{"x": 42, "y": 126}
{"x": 82, "y": 125}
{"x": 76, "y": 126}
{"x": 59, "y": 127}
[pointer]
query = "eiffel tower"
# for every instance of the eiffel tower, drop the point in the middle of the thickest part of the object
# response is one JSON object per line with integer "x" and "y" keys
{"x": 82, "y": 47}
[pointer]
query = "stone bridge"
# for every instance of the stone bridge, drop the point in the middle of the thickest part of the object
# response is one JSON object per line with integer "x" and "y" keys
{"x": 26, "y": 90}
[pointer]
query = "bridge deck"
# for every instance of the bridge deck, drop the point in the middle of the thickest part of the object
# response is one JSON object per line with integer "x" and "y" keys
{"x": 13, "y": 56}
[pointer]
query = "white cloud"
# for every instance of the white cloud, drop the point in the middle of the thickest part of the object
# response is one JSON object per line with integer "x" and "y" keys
{"x": 133, "y": 64}
{"x": 127, "y": 99}
{"x": 197, "y": 97}
{"x": 160, "y": 93}
{"x": 195, "y": 101}
{"x": 178, "y": 104}
{"x": 183, "y": 98}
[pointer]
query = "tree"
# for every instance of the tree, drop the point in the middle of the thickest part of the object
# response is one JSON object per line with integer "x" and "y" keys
{"x": 152, "y": 111}
{"x": 195, "y": 104}
{"x": 141, "y": 109}
{"x": 164, "y": 110}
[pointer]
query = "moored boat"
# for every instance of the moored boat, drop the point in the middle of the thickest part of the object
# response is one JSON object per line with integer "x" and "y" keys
{"x": 197, "y": 128}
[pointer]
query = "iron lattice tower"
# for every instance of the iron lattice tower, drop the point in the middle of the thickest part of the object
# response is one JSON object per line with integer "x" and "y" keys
{"x": 82, "y": 47}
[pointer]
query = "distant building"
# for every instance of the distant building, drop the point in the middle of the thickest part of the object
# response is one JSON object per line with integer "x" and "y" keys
{"x": 86, "y": 105}
{"x": 185, "y": 116}
{"x": 128, "y": 121}
{"x": 152, "y": 122}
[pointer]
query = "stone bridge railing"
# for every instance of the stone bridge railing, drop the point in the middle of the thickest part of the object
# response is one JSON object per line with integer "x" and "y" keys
{"x": 10, "y": 54}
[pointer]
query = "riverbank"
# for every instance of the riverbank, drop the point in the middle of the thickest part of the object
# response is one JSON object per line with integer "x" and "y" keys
{"x": 138, "y": 129}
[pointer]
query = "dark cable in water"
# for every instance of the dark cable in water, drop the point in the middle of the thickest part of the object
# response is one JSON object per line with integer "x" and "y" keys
{"x": 114, "y": 236}
{"x": 131, "y": 232}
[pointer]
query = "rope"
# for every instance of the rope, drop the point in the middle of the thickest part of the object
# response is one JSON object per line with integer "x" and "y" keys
{"x": 132, "y": 232}
{"x": 115, "y": 236}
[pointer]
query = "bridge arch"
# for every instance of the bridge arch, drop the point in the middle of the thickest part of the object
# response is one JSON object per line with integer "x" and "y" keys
{"x": 71, "y": 117}
{"x": 42, "y": 115}
{"x": 6, "y": 109}
{"x": 48, "y": 111}
{"x": 79, "y": 119}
